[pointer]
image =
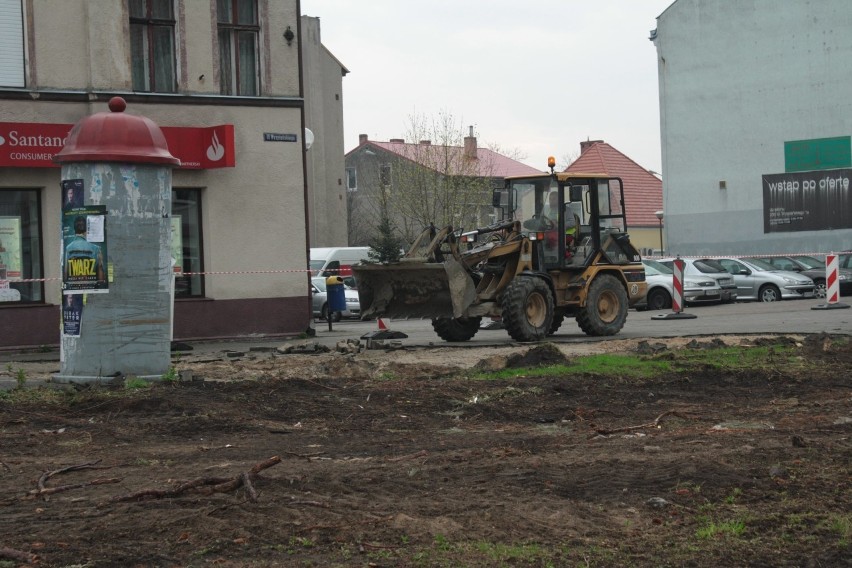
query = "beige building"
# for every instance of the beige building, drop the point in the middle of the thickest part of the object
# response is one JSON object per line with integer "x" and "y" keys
{"x": 323, "y": 77}
{"x": 223, "y": 80}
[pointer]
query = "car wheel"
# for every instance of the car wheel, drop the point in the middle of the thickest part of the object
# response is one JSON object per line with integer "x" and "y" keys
{"x": 324, "y": 312}
{"x": 659, "y": 299}
{"x": 819, "y": 288}
{"x": 769, "y": 293}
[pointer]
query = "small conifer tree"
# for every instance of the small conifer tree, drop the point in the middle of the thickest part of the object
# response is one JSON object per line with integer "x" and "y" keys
{"x": 385, "y": 247}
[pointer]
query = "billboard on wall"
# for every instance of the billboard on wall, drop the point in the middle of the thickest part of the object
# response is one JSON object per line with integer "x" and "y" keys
{"x": 807, "y": 201}
{"x": 33, "y": 145}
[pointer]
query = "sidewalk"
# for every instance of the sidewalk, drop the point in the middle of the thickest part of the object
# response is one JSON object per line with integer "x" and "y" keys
{"x": 48, "y": 360}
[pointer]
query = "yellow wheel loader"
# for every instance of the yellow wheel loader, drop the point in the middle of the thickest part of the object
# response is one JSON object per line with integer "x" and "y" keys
{"x": 561, "y": 249}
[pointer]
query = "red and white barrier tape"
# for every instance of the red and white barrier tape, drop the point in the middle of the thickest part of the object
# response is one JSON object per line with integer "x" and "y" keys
{"x": 207, "y": 273}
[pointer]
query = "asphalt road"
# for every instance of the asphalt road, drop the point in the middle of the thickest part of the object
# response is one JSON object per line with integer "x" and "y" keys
{"x": 789, "y": 316}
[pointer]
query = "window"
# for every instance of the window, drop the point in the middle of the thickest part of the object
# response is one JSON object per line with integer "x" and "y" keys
{"x": 351, "y": 179}
{"x": 152, "y": 45}
{"x": 186, "y": 242}
{"x": 11, "y": 44}
{"x": 385, "y": 175}
{"x": 238, "y": 47}
{"x": 20, "y": 246}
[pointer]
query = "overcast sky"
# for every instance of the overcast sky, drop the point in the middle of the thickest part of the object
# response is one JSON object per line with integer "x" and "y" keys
{"x": 535, "y": 77}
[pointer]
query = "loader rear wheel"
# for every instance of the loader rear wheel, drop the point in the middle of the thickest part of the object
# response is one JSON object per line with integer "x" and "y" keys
{"x": 558, "y": 318}
{"x": 606, "y": 307}
{"x": 452, "y": 329}
{"x": 527, "y": 307}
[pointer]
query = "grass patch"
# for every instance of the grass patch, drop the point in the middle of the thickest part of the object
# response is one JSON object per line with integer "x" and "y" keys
{"x": 644, "y": 366}
{"x": 712, "y": 529}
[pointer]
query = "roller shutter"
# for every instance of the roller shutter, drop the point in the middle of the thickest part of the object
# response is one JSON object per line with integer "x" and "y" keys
{"x": 11, "y": 44}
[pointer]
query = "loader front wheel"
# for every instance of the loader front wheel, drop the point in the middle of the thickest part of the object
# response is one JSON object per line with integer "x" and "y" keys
{"x": 527, "y": 309}
{"x": 456, "y": 329}
{"x": 606, "y": 307}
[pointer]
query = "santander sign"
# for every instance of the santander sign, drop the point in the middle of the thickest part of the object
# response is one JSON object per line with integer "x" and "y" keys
{"x": 33, "y": 145}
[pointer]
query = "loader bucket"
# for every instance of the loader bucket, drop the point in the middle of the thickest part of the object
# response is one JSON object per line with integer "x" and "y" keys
{"x": 414, "y": 289}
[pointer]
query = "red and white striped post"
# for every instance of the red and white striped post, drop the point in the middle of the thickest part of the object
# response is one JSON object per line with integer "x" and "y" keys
{"x": 832, "y": 285}
{"x": 677, "y": 294}
{"x": 677, "y": 285}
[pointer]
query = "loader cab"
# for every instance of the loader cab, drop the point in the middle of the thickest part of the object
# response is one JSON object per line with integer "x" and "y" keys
{"x": 571, "y": 218}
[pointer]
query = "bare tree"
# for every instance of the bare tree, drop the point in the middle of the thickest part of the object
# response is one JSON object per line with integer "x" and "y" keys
{"x": 439, "y": 177}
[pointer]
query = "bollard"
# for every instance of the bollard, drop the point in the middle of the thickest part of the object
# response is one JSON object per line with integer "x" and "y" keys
{"x": 832, "y": 286}
{"x": 677, "y": 295}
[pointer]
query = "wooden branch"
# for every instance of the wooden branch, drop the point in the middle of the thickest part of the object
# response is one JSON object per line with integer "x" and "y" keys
{"x": 48, "y": 474}
{"x": 18, "y": 555}
{"x": 653, "y": 424}
{"x": 204, "y": 485}
{"x": 51, "y": 490}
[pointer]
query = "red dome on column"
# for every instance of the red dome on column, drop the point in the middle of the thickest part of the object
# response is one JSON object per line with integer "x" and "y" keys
{"x": 116, "y": 137}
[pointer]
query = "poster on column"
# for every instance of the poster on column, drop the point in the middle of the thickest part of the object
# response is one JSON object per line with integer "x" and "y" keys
{"x": 72, "y": 314}
{"x": 84, "y": 253}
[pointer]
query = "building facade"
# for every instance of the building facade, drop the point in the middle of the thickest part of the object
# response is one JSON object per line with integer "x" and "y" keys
{"x": 222, "y": 78}
{"x": 755, "y": 123}
{"x": 323, "y": 77}
{"x": 419, "y": 183}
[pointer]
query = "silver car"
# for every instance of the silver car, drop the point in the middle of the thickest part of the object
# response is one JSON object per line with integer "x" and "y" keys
{"x": 660, "y": 277}
{"x": 704, "y": 268}
{"x": 319, "y": 301}
{"x": 759, "y": 280}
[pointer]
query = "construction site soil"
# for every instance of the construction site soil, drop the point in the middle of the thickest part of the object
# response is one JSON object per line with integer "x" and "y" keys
{"x": 420, "y": 457}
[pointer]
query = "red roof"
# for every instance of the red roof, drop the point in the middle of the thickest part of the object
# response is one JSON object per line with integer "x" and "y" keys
{"x": 643, "y": 191}
{"x": 452, "y": 159}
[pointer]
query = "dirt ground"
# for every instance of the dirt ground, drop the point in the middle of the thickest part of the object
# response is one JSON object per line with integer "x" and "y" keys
{"x": 405, "y": 458}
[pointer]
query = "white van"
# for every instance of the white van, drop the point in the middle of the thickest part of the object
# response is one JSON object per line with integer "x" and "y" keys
{"x": 337, "y": 261}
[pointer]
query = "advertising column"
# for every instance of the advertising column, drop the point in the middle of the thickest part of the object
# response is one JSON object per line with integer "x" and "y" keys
{"x": 116, "y": 249}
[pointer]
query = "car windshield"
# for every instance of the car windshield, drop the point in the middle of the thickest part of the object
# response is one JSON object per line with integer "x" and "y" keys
{"x": 810, "y": 261}
{"x": 654, "y": 268}
{"x": 761, "y": 264}
{"x": 709, "y": 266}
{"x": 319, "y": 283}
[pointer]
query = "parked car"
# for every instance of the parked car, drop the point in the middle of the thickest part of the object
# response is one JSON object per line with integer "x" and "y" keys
{"x": 708, "y": 267}
{"x": 660, "y": 282}
{"x": 319, "y": 299}
{"x": 759, "y": 280}
{"x": 814, "y": 269}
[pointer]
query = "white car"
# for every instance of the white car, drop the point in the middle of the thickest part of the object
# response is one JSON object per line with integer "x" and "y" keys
{"x": 707, "y": 268}
{"x": 759, "y": 280}
{"x": 660, "y": 280}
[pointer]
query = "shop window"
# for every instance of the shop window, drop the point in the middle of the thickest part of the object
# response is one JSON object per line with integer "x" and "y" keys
{"x": 238, "y": 47}
{"x": 152, "y": 45}
{"x": 11, "y": 44}
{"x": 186, "y": 243}
{"x": 351, "y": 179}
{"x": 20, "y": 247}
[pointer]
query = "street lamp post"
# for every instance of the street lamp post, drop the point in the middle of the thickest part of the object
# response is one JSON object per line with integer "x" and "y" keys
{"x": 660, "y": 214}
